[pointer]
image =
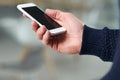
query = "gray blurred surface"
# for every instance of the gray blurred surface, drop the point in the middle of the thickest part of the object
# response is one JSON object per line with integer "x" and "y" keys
{"x": 65, "y": 67}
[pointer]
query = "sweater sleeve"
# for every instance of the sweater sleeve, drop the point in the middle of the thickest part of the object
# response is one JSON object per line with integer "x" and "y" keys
{"x": 100, "y": 43}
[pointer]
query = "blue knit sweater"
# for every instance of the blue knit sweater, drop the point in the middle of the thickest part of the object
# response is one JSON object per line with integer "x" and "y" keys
{"x": 105, "y": 44}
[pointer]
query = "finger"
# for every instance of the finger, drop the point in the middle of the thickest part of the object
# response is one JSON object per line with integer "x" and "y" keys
{"x": 46, "y": 38}
{"x": 35, "y": 26}
{"x": 40, "y": 32}
{"x": 26, "y": 16}
{"x": 56, "y": 14}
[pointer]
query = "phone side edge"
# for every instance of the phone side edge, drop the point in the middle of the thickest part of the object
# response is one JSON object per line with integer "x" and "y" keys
{"x": 57, "y": 31}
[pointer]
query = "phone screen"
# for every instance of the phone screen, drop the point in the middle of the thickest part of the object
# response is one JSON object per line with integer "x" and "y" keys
{"x": 41, "y": 17}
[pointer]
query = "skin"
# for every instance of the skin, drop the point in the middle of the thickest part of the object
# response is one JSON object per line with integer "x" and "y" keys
{"x": 69, "y": 42}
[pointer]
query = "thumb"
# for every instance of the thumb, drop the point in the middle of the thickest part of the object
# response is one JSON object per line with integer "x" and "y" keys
{"x": 55, "y": 14}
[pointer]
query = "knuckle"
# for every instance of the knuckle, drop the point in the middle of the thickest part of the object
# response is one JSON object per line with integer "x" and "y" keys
{"x": 39, "y": 37}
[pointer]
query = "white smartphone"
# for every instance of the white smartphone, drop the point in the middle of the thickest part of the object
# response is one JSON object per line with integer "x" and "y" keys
{"x": 35, "y": 13}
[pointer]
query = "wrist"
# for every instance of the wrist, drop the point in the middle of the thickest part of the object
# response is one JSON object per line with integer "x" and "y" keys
{"x": 80, "y": 38}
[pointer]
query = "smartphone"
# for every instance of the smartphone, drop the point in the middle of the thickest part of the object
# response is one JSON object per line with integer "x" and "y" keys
{"x": 35, "y": 13}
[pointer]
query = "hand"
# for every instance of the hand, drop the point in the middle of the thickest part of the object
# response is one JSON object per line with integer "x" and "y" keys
{"x": 69, "y": 42}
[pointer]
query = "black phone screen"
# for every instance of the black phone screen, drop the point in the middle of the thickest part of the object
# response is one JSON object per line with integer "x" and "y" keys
{"x": 41, "y": 17}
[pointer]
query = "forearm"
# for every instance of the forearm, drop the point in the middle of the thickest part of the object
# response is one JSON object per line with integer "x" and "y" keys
{"x": 100, "y": 43}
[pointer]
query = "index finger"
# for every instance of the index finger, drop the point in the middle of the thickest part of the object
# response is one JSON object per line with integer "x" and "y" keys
{"x": 26, "y": 16}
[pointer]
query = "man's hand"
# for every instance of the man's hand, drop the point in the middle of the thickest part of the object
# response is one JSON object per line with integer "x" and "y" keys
{"x": 69, "y": 42}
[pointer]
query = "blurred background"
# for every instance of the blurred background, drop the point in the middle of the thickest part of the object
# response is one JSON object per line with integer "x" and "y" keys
{"x": 23, "y": 57}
